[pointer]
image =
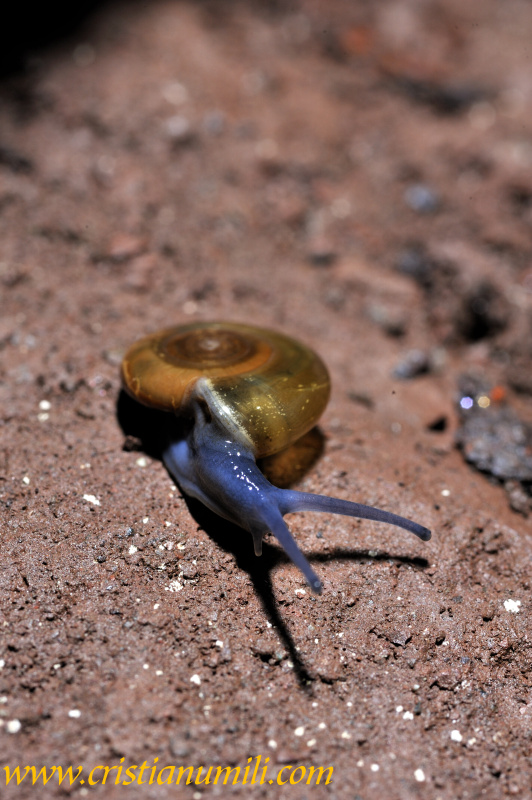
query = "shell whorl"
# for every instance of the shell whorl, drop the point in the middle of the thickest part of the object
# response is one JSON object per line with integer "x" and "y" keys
{"x": 265, "y": 388}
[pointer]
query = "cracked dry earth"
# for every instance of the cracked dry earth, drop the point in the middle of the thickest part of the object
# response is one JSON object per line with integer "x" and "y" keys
{"x": 358, "y": 176}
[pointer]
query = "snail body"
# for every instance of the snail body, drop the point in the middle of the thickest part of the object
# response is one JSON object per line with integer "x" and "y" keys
{"x": 243, "y": 393}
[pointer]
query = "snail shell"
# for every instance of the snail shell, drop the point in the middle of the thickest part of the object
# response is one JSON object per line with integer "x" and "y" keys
{"x": 265, "y": 388}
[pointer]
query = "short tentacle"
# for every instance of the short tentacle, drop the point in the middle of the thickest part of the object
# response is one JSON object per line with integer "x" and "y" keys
{"x": 290, "y": 501}
{"x": 276, "y": 524}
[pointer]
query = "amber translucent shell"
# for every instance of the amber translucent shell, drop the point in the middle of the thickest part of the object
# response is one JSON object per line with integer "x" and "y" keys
{"x": 265, "y": 388}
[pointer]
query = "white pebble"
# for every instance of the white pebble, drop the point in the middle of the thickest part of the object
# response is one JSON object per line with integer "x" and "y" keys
{"x": 175, "y": 93}
{"x": 91, "y": 498}
{"x": 141, "y": 462}
{"x": 74, "y": 713}
{"x": 273, "y": 744}
{"x": 456, "y": 736}
{"x": 45, "y": 405}
{"x": 311, "y": 742}
{"x": 346, "y": 735}
{"x": 374, "y": 767}
{"x": 419, "y": 775}
{"x": 26, "y": 480}
{"x": 299, "y": 731}
{"x": 13, "y": 726}
{"x": 512, "y": 606}
{"x": 195, "y": 679}
{"x": 173, "y": 586}
{"x": 340, "y": 208}
{"x": 132, "y": 549}
{"x": 408, "y": 715}
{"x": 189, "y": 307}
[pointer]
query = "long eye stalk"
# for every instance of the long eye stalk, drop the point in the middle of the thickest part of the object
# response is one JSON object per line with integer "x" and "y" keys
{"x": 301, "y": 501}
{"x": 290, "y": 501}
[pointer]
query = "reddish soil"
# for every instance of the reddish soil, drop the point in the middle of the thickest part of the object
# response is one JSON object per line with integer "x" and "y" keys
{"x": 356, "y": 175}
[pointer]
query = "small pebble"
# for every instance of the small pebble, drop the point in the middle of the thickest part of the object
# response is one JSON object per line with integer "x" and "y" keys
{"x": 91, "y": 498}
{"x": 179, "y": 130}
{"x": 416, "y": 264}
{"x": 13, "y": 726}
{"x": 414, "y": 363}
{"x": 512, "y": 606}
{"x": 421, "y": 198}
{"x": 175, "y": 93}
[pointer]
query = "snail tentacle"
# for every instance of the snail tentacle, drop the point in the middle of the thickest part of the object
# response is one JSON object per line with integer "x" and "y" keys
{"x": 302, "y": 501}
{"x": 279, "y": 528}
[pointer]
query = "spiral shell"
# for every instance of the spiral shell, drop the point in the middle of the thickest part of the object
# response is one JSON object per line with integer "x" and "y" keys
{"x": 265, "y": 388}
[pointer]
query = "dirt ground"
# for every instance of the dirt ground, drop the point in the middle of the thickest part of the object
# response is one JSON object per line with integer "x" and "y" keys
{"x": 357, "y": 175}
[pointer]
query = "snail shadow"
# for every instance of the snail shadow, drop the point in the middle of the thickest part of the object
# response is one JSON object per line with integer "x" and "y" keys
{"x": 238, "y": 543}
{"x": 147, "y": 430}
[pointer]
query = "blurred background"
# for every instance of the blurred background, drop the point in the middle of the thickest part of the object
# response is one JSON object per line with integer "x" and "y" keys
{"x": 359, "y": 176}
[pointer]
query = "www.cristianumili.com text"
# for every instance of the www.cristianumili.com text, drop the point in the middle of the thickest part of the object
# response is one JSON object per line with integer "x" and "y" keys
{"x": 257, "y": 772}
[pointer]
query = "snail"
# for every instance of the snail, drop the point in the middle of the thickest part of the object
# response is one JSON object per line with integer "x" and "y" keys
{"x": 242, "y": 393}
